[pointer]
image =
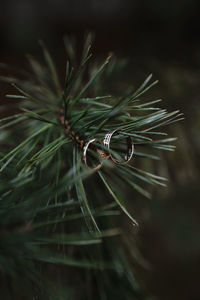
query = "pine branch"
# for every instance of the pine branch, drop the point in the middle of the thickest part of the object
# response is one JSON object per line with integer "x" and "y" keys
{"x": 45, "y": 203}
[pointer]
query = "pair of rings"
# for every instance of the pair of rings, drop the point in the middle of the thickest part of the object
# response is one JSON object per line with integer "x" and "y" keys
{"x": 107, "y": 153}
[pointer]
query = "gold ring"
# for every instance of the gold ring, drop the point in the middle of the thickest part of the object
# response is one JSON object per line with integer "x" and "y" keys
{"x": 85, "y": 148}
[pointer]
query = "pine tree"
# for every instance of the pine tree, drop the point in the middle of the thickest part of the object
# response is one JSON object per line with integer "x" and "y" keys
{"x": 60, "y": 215}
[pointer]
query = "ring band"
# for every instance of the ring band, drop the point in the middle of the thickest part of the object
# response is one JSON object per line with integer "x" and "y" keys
{"x": 85, "y": 148}
{"x": 130, "y": 147}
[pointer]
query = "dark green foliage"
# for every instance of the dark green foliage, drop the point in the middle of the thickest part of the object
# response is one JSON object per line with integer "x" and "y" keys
{"x": 54, "y": 210}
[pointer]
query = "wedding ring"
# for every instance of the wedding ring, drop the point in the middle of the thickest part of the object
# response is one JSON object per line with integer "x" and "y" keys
{"x": 85, "y": 149}
{"x": 130, "y": 147}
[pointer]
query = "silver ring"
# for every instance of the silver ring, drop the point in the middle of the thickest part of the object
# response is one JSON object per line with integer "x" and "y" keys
{"x": 130, "y": 147}
{"x": 85, "y": 148}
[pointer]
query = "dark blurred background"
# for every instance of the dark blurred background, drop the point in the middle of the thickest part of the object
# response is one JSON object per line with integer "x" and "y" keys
{"x": 159, "y": 37}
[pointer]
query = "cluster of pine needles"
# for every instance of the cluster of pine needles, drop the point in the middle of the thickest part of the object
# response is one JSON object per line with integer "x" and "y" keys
{"x": 55, "y": 213}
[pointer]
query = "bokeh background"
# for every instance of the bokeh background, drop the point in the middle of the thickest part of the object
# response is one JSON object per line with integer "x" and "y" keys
{"x": 159, "y": 37}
